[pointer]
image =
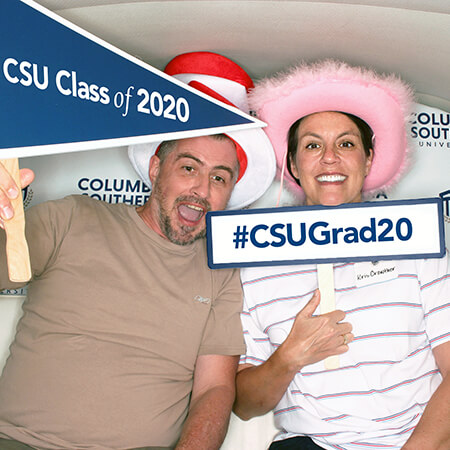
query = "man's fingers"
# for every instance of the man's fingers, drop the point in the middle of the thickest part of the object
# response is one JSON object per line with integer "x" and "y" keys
{"x": 7, "y": 184}
{"x": 9, "y": 191}
{"x": 6, "y": 210}
{"x": 26, "y": 177}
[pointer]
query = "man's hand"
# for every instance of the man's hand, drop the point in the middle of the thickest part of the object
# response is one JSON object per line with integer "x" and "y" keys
{"x": 9, "y": 191}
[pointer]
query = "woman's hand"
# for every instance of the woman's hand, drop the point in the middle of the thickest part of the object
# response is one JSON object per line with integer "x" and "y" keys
{"x": 311, "y": 339}
{"x": 314, "y": 338}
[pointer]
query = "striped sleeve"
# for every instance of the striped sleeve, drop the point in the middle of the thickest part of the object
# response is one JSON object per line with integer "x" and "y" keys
{"x": 257, "y": 341}
{"x": 434, "y": 279}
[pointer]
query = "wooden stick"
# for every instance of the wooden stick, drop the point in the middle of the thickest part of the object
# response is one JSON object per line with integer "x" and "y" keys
{"x": 19, "y": 268}
{"x": 325, "y": 277}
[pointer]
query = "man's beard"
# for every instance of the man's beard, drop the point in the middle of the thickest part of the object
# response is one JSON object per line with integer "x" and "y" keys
{"x": 184, "y": 235}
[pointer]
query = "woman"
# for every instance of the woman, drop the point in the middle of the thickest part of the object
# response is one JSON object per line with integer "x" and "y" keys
{"x": 346, "y": 138}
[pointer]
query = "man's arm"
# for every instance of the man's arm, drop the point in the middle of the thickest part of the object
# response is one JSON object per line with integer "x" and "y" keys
{"x": 211, "y": 401}
{"x": 260, "y": 388}
{"x": 433, "y": 430}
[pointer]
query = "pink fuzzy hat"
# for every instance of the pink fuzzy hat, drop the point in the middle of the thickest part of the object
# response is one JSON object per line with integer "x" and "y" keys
{"x": 383, "y": 101}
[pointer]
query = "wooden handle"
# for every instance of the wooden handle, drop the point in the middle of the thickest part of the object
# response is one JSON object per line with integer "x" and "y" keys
{"x": 325, "y": 277}
{"x": 19, "y": 268}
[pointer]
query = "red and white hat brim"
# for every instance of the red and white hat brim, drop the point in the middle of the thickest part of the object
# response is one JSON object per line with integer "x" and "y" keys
{"x": 260, "y": 172}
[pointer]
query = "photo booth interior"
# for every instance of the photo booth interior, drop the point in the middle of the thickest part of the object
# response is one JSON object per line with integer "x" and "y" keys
{"x": 409, "y": 38}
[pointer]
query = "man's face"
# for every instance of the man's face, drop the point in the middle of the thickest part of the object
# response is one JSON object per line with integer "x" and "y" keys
{"x": 197, "y": 176}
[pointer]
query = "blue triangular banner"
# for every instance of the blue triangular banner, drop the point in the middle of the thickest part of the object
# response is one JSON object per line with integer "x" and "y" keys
{"x": 62, "y": 89}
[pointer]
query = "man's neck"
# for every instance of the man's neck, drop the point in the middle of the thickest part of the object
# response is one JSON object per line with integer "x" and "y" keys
{"x": 148, "y": 214}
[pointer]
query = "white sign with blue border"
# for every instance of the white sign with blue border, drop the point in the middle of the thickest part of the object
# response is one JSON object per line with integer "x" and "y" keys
{"x": 63, "y": 89}
{"x": 406, "y": 229}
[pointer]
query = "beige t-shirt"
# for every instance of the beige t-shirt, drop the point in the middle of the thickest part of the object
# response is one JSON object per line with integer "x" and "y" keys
{"x": 113, "y": 323}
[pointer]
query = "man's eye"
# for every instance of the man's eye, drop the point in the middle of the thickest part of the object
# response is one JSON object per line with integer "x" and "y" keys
{"x": 218, "y": 178}
{"x": 188, "y": 168}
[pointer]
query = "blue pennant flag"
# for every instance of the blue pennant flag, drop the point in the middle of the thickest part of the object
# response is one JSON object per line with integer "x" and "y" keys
{"x": 62, "y": 89}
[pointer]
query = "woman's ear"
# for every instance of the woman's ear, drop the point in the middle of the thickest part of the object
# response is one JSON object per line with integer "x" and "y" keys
{"x": 369, "y": 160}
{"x": 292, "y": 166}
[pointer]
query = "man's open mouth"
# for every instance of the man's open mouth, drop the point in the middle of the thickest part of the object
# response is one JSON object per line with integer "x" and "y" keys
{"x": 191, "y": 213}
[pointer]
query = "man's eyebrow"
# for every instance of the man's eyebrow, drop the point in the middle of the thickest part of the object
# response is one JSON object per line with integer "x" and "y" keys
{"x": 188, "y": 155}
{"x": 199, "y": 161}
{"x": 227, "y": 169}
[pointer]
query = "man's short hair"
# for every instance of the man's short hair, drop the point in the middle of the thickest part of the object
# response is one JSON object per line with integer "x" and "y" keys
{"x": 167, "y": 146}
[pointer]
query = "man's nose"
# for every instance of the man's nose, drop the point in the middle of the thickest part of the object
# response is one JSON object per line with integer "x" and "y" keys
{"x": 200, "y": 186}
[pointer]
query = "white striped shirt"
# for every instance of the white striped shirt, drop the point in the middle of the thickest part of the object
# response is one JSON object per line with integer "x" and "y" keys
{"x": 377, "y": 395}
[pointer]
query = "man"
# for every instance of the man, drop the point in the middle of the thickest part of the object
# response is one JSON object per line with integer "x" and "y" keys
{"x": 128, "y": 340}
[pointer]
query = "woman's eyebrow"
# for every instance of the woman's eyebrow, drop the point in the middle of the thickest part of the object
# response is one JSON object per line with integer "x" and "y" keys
{"x": 344, "y": 133}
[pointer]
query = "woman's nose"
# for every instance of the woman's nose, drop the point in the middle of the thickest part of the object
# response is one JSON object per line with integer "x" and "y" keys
{"x": 329, "y": 154}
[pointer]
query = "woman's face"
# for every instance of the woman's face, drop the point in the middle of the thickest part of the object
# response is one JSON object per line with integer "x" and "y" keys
{"x": 330, "y": 163}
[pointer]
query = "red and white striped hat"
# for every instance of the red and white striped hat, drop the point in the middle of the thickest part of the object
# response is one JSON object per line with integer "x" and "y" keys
{"x": 224, "y": 80}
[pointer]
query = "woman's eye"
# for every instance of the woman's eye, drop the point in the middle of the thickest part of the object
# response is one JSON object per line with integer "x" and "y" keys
{"x": 312, "y": 146}
{"x": 347, "y": 144}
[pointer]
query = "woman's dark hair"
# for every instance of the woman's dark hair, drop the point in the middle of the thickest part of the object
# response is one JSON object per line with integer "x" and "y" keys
{"x": 364, "y": 129}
